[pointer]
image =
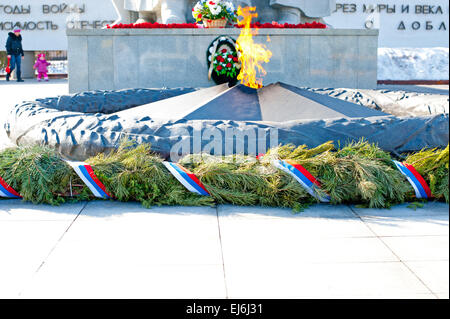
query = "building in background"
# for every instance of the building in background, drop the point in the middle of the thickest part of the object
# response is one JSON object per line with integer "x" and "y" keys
{"x": 414, "y": 38}
{"x": 44, "y": 24}
{"x": 411, "y": 31}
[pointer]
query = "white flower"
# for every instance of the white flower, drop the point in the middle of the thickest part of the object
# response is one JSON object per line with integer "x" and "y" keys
{"x": 215, "y": 10}
{"x": 198, "y": 6}
{"x": 229, "y": 6}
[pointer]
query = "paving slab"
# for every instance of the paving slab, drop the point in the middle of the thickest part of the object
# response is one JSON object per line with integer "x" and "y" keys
{"x": 402, "y": 210}
{"x": 443, "y": 296}
{"x": 433, "y": 273}
{"x": 113, "y": 241}
{"x": 18, "y": 210}
{"x": 419, "y": 248}
{"x": 126, "y": 233}
{"x": 24, "y": 245}
{"x": 314, "y": 211}
{"x": 319, "y": 221}
{"x": 273, "y": 253}
{"x": 277, "y": 237}
{"x": 327, "y": 280}
{"x": 89, "y": 280}
{"x": 432, "y": 219}
{"x": 27, "y": 235}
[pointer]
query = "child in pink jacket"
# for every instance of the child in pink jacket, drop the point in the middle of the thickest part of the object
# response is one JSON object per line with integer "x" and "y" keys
{"x": 41, "y": 66}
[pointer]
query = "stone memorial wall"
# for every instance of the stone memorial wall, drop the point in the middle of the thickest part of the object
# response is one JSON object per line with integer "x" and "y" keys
{"x": 402, "y": 23}
{"x": 153, "y": 58}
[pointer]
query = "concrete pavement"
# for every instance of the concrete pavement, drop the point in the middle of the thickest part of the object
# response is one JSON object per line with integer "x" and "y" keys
{"x": 106, "y": 249}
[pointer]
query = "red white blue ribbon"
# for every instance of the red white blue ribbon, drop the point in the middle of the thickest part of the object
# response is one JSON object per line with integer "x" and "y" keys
{"x": 415, "y": 179}
{"x": 302, "y": 176}
{"x": 86, "y": 173}
{"x": 186, "y": 178}
{"x": 7, "y": 191}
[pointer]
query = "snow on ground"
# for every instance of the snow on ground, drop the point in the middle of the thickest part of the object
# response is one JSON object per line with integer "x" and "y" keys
{"x": 413, "y": 63}
{"x": 395, "y": 102}
{"x": 13, "y": 93}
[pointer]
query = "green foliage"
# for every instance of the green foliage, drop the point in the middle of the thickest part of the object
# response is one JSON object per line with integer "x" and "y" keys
{"x": 242, "y": 180}
{"x": 133, "y": 173}
{"x": 37, "y": 173}
{"x": 433, "y": 166}
{"x": 358, "y": 173}
{"x": 415, "y": 205}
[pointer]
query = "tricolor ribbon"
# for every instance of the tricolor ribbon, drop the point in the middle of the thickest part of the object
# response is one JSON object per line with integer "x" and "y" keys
{"x": 7, "y": 191}
{"x": 415, "y": 179}
{"x": 188, "y": 179}
{"x": 86, "y": 173}
{"x": 302, "y": 176}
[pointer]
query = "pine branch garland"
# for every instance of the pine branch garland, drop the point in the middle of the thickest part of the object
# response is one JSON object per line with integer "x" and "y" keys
{"x": 358, "y": 173}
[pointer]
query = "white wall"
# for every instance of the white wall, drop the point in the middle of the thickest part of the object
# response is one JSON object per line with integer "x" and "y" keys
{"x": 102, "y": 10}
{"x": 95, "y": 13}
{"x": 350, "y": 14}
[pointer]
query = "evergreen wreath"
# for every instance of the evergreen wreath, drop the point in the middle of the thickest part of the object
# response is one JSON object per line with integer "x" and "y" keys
{"x": 358, "y": 173}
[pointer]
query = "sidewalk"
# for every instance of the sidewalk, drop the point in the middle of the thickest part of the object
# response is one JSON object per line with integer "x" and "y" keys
{"x": 105, "y": 249}
{"x": 108, "y": 249}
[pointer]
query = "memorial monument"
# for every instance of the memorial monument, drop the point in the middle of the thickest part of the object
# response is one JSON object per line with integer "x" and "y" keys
{"x": 167, "y": 59}
{"x": 163, "y": 98}
{"x": 179, "y": 11}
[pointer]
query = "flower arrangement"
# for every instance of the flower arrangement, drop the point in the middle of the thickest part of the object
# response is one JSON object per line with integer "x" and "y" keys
{"x": 214, "y": 10}
{"x": 273, "y": 25}
{"x": 226, "y": 62}
{"x": 156, "y": 25}
{"x": 276, "y": 25}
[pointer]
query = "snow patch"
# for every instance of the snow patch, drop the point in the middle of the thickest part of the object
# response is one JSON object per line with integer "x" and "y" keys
{"x": 398, "y": 103}
{"x": 413, "y": 63}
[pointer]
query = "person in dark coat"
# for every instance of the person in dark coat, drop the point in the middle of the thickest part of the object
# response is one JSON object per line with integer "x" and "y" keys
{"x": 15, "y": 52}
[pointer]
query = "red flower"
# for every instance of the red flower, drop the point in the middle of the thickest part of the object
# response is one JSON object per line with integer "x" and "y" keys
{"x": 235, "y": 59}
{"x": 228, "y": 65}
{"x": 200, "y": 15}
{"x": 219, "y": 67}
{"x": 230, "y": 56}
{"x": 211, "y": 3}
{"x": 224, "y": 50}
{"x": 273, "y": 25}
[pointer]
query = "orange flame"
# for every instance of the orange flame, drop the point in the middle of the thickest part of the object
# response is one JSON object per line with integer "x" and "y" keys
{"x": 252, "y": 54}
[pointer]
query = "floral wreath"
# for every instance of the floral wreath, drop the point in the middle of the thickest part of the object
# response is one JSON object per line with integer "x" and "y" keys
{"x": 223, "y": 60}
{"x": 226, "y": 62}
